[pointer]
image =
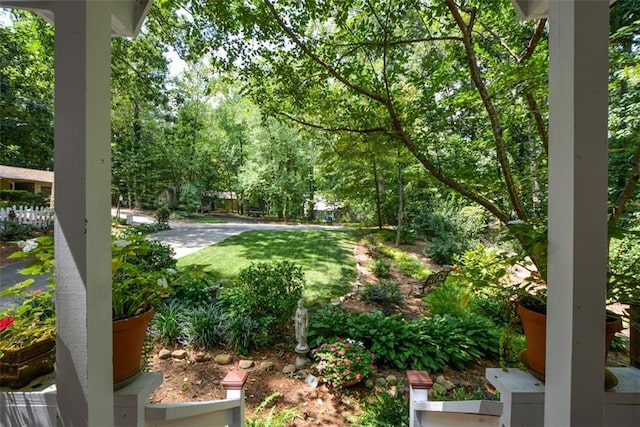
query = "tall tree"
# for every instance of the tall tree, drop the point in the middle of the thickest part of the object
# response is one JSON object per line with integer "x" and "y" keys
{"x": 26, "y": 92}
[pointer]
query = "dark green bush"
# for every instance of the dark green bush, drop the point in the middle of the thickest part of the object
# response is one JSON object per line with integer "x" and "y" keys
{"x": 444, "y": 248}
{"x": 159, "y": 256}
{"x": 22, "y": 197}
{"x": 266, "y": 293}
{"x": 162, "y": 214}
{"x": 10, "y": 231}
{"x": 385, "y": 294}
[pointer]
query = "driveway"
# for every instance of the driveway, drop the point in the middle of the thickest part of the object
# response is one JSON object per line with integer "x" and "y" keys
{"x": 187, "y": 238}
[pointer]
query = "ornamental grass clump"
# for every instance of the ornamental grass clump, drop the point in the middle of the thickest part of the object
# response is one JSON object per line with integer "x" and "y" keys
{"x": 343, "y": 362}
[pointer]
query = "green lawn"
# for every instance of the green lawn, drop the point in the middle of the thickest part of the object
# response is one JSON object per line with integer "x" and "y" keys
{"x": 326, "y": 257}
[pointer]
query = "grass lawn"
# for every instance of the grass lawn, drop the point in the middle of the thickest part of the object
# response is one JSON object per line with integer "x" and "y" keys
{"x": 326, "y": 257}
{"x": 201, "y": 219}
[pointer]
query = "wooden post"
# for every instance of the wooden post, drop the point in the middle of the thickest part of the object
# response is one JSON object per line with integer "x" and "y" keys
{"x": 233, "y": 383}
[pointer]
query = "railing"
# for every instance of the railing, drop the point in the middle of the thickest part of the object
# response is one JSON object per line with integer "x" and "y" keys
{"x": 36, "y": 406}
{"x": 469, "y": 413}
{"x": 35, "y": 216}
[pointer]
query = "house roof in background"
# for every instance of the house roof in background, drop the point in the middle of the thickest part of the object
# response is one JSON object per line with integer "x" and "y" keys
{"x": 23, "y": 174}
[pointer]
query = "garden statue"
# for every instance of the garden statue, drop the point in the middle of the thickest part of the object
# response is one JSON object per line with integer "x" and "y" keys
{"x": 302, "y": 328}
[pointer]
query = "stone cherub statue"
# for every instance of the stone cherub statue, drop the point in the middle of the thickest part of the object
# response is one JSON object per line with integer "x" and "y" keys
{"x": 302, "y": 327}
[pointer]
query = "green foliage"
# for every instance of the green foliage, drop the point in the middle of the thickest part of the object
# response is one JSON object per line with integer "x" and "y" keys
{"x": 266, "y": 290}
{"x": 23, "y": 198}
{"x": 386, "y": 294}
{"x": 462, "y": 339}
{"x": 624, "y": 269}
{"x": 341, "y": 361}
{"x": 396, "y": 342}
{"x": 407, "y": 264}
{"x": 483, "y": 269}
{"x": 386, "y": 410}
{"x": 443, "y": 249}
{"x": 162, "y": 215}
{"x": 166, "y": 324}
{"x": 381, "y": 268}
{"x": 243, "y": 334}
{"x": 202, "y": 326}
{"x": 272, "y": 417}
{"x": 449, "y": 298}
{"x": 325, "y": 256}
{"x": 11, "y": 230}
{"x": 189, "y": 198}
{"x": 465, "y": 393}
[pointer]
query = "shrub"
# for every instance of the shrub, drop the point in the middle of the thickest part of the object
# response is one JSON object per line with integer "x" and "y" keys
{"x": 449, "y": 298}
{"x": 444, "y": 248}
{"x": 386, "y": 294}
{"x": 266, "y": 292}
{"x": 22, "y": 197}
{"x": 10, "y": 230}
{"x": 381, "y": 268}
{"x": 386, "y": 410}
{"x": 162, "y": 214}
{"x": 155, "y": 256}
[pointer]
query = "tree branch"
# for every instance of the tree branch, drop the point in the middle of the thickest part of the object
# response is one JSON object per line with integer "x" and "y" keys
{"x": 333, "y": 129}
{"x": 627, "y": 191}
{"x": 496, "y": 128}
{"x": 315, "y": 58}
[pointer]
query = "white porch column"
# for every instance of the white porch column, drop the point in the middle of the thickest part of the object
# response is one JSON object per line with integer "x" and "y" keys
{"x": 577, "y": 212}
{"x": 82, "y": 235}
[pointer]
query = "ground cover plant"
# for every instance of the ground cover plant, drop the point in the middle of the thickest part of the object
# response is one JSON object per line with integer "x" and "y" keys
{"x": 325, "y": 258}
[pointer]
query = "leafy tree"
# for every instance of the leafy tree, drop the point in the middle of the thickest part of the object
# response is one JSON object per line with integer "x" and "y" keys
{"x": 26, "y": 92}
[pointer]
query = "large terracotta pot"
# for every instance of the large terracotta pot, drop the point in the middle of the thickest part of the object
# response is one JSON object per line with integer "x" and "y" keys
{"x": 128, "y": 340}
{"x": 535, "y": 331}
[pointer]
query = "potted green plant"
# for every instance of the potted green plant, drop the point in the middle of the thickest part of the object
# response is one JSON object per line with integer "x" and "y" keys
{"x": 140, "y": 281}
{"x": 531, "y": 297}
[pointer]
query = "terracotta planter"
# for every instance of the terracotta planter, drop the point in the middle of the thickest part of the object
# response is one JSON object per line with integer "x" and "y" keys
{"x": 21, "y": 365}
{"x": 535, "y": 331}
{"x": 128, "y": 340}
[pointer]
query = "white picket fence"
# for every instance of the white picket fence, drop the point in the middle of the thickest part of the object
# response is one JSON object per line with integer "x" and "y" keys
{"x": 35, "y": 216}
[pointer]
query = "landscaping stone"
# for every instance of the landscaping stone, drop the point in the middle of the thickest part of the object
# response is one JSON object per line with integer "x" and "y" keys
{"x": 266, "y": 365}
{"x": 369, "y": 383}
{"x": 164, "y": 354}
{"x": 381, "y": 382}
{"x": 245, "y": 364}
{"x": 289, "y": 369}
{"x": 448, "y": 385}
{"x": 179, "y": 354}
{"x": 392, "y": 380}
{"x": 223, "y": 359}
{"x": 438, "y": 388}
{"x": 202, "y": 357}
